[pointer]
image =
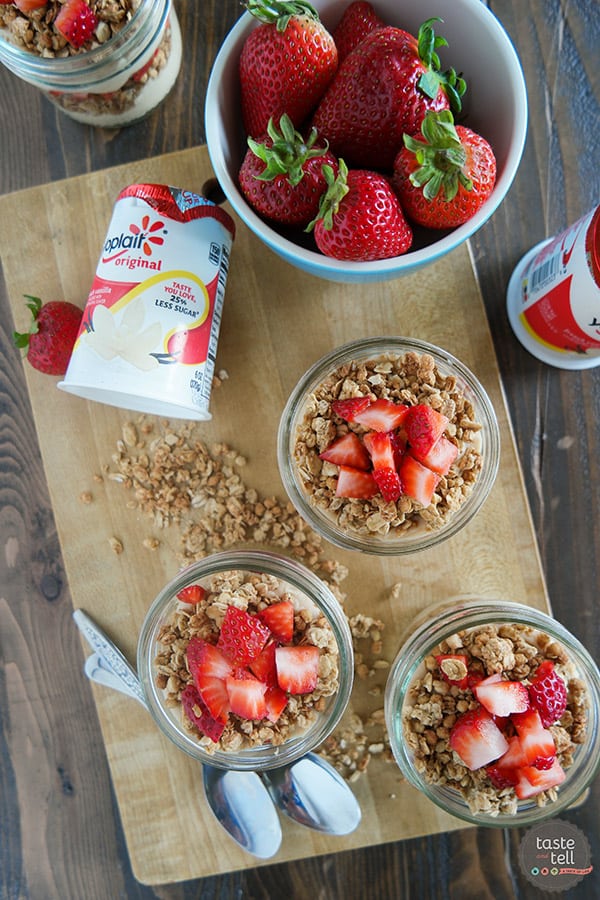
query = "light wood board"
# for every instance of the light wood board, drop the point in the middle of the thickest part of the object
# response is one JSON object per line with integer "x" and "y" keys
{"x": 276, "y": 322}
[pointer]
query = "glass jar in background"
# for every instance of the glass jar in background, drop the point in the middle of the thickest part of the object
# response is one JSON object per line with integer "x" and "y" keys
{"x": 127, "y": 72}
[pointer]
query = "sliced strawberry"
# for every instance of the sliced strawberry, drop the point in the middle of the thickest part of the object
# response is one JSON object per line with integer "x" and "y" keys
{"x": 199, "y": 715}
{"x": 206, "y": 659}
{"x": 476, "y": 739}
{"x": 536, "y": 741}
{"x": 263, "y": 667}
{"x": 348, "y": 408}
{"x": 279, "y": 619}
{"x": 417, "y": 480}
{"x": 27, "y": 5}
{"x": 347, "y": 450}
{"x": 398, "y": 442}
{"x": 242, "y": 636}
{"x": 297, "y": 668}
{"x": 276, "y": 701}
{"x": 424, "y": 426}
{"x": 247, "y": 697}
{"x": 533, "y": 781}
{"x": 454, "y": 669}
{"x": 388, "y": 482}
{"x": 214, "y": 695}
{"x": 502, "y": 777}
{"x": 548, "y": 693}
{"x": 381, "y": 415}
{"x": 440, "y": 457}
{"x": 355, "y": 483}
{"x": 514, "y": 758}
{"x": 502, "y": 698}
{"x": 192, "y": 593}
{"x": 380, "y": 450}
{"x": 76, "y": 22}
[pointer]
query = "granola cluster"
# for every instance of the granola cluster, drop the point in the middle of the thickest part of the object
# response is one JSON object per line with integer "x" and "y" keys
{"x": 432, "y": 707}
{"x": 33, "y": 30}
{"x": 251, "y": 592}
{"x": 409, "y": 379}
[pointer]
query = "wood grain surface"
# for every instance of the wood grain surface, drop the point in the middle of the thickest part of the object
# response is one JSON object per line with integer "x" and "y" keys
{"x": 61, "y": 833}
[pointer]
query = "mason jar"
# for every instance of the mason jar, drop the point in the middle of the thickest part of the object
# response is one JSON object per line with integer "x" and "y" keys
{"x": 115, "y": 79}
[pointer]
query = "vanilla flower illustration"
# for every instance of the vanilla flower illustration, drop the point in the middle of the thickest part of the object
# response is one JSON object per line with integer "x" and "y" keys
{"x": 129, "y": 341}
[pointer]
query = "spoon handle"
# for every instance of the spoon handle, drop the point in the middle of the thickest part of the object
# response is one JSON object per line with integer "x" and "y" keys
{"x": 110, "y": 653}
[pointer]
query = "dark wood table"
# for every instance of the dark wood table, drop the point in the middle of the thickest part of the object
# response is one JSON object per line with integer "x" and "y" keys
{"x": 60, "y": 834}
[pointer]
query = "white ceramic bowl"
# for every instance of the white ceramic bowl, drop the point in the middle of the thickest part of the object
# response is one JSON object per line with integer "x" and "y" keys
{"x": 495, "y": 105}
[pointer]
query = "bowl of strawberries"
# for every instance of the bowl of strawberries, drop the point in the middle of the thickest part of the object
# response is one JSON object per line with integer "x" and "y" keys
{"x": 246, "y": 660}
{"x": 493, "y": 711}
{"x": 360, "y": 141}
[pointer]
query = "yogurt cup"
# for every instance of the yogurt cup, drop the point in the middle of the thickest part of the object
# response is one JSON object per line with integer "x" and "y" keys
{"x": 149, "y": 331}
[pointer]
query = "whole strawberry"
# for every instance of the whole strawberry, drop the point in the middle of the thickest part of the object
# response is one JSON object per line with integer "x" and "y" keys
{"x": 359, "y": 20}
{"x": 51, "y": 336}
{"x": 444, "y": 176}
{"x": 282, "y": 175}
{"x": 286, "y": 63}
{"x": 382, "y": 90}
{"x": 360, "y": 217}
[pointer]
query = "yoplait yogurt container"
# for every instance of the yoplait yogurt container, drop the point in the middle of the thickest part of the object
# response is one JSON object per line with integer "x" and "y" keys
{"x": 150, "y": 327}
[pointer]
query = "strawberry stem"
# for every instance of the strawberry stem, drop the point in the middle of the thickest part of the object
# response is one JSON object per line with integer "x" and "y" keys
{"x": 441, "y": 157}
{"x": 279, "y": 12}
{"x": 288, "y": 151}
{"x": 21, "y": 339}
{"x": 337, "y": 188}
{"x": 431, "y": 80}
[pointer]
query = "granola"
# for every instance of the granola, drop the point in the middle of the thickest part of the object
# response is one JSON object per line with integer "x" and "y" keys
{"x": 409, "y": 379}
{"x": 433, "y": 706}
{"x": 251, "y": 592}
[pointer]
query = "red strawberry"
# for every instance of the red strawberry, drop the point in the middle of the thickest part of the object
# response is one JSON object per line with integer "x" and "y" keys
{"x": 360, "y": 217}
{"x": 205, "y": 659}
{"x": 423, "y": 426}
{"x": 199, "y": 715}
{"x": 242, "y": 636}
{"x": 502, "y": 698}
{"x": 445, "y": 176}
{"x": 381, "y": 451}
{"x": 347, "y": 450}
{"x": 279, "y": 619}
{"x": 502, "y": 777}
{"x": 533, "y": 781}
{"x": 282, "y": 174}
{"x": 536, "y": 741}
{"x": 247, "y": 697}
{"x": 51, "y": 335}
{"x": 381, "y": 415}
{"x": 381, "y": 91}
{"x": 440, "y": 457}
{"x": 297, "y": 668}
{"x": 359, "y": 20}
{"x": 477, "y": 739}
{"x": 214, "y": 695}
{"x": 453, "y": 669}
{"x": 192, "y": 594}
{"x": 76, "y": 22}
{"x": 548, "y": 693}
{"x": 418, "y": 482}
{"x": 27, "y": 5}
{"x": 355, "y": 483}
{"x": 263, "y": 666}
{"x": 286, "y": 63}
{"x": 275, "y": 701}
{"x": 347, "y": 409}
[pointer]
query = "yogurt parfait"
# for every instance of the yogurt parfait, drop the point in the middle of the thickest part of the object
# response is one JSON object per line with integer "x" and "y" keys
{"x": 388, "y": 445}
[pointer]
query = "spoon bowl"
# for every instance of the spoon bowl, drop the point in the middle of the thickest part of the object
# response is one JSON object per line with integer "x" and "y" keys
{"x": 243, "y": 806}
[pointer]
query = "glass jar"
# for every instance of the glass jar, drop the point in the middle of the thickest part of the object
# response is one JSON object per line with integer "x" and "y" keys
{"x": 120, "y": 80}
{"x": 412, "y": 682}
{"x": 307, "y": 592}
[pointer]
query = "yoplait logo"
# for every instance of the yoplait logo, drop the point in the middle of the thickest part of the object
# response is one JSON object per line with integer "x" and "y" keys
{"x": 139, "y": 238}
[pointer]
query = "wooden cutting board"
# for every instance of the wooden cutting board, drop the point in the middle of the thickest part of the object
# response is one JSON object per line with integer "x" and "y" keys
{"x": 276, "y": 323}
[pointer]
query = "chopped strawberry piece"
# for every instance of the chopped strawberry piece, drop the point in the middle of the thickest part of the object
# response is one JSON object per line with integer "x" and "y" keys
{"x": 548, "y": 693}
{"x": 263, "y": 667}
{"x": 348, "y": 408}
{"x": 440, "y": 457}
{"x": 355, "y": 483}
{"x": 27, "y": 5}
{"x": 454, "y": 669}
{"x": 279, "y": 619}
{"x": 476, "y": 739}
{"x": 347, "y": 450}
{"x": 380, "y": 449}
{"x": 247, "y": 697}
{"x": 76, "y": 22}
{"x": 417, "y": 480}
{"x": 388, "y": 482}
{"x": 533, "y": 781}
{"x": 198, "y": 714}
{"x": 192, "y": 593}
{"x": 297, "y": 668}
{"x": 514, "y": 758}
{"x": 502, "y": 777}
{"x": 242, "y": 636}
{"x": 502, "y": 698}
{"x": 204, "y": 658}
{"x": 381, "y": 415}
{"x": 276, "y": 701}
{"x": 536, "y": 741}
{"x": 398, "y": 446}
{"x": 213, "y": 692}
{"x": 424, "y": 426}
